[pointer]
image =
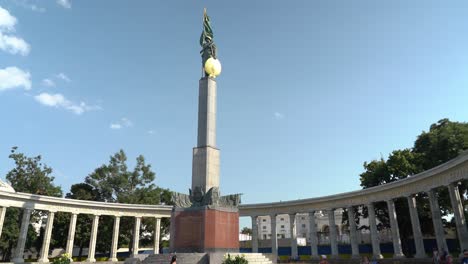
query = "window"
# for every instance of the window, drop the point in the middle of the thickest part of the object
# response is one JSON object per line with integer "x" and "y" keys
{"x": 282, "y": 226}
{"x": 304, "y": 235}
{"x": 303, "y": 225}
{"x": 263, "y": 220}
{"x": 282, "y": 219}
{"x": 264, "y": 236}
{"x": 303, "y": 218}
{"x": 264, "y": 227}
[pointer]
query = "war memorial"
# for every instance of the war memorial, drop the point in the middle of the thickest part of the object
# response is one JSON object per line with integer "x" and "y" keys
{"x": 205, "y": 224}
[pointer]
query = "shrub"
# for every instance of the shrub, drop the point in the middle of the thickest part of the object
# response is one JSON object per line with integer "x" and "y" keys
{"x": 63, "y": 259}
{"x": 237, "y": 260}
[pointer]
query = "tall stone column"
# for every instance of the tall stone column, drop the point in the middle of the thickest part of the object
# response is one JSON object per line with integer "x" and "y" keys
{"x": 115, "y": 239}
{"x": 397, "y": 251}
{"x": 333, "y": 234}
{"x": 19, "y": 250}
{"x": 44, "y": 255}
{"x": 136, "y": 236}
{"x": 352, "y": 232}
{"x": 2, "y": 218}
{"x": 254, "y": 234}
{"x": 460, "y": 222}
{"x": 205, "y": 165}
{"x": 292, "y": 230}
{"x": 313, "y": 235}
{"x": 373, "y": 230}
{"x": 93, "y": 238}
{"x": 274, "y": 238}
{"x": 437, "y": 221}
{"x": 71, "y": 234}
{"x": 157, "y": 234}
{"x": 417, "y": 234}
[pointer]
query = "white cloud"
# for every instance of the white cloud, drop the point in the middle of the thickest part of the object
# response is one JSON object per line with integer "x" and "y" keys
{"x": 64, "y": 3}
{"x": 12, "y": 77}
{"x": 9, "y": 43}
{"x": 123, "y": 122}
{"x": 115, "y": 126}
{"x": 279, "y": 115}
{"x": 59, "y": 101}
{"x": 7, "y": 21}
{"x": 48, "y": 83}
{"x": 26, "y": 4}
{"x": 151, "y": 132}
{"x": 64, "y": 77}
{"x": 14, "y": 45}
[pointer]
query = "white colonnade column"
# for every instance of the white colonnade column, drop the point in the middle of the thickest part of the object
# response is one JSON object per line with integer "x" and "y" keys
{"x": 254, "y": 234}
{"x": 437, "y": 221}
{"x": 44, "y": 254}
{"x": 417, "y": 234}
{"x": 92, "y": 241}
{"x": 460, "y": 221}
{"x": 136, "y": 236}
{"x": 115, "y": 239}
{"x": 397, "y": 251}
{"x": 19, "y": 250}
{"x": 313, "y": 235}
{"x": 373, "y": 230}
{"x": 292, "y": 230}
{"x": 352, "y": 232}
{"x": 2, "y": 218}
{"x": 274, "y": 238}
{"x": 333, "y": 235}
{"x": 71, "y": 234}
{"x": 157, "y": 234}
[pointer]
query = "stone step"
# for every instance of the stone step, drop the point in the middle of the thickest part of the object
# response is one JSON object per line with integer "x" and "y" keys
{"x": 202, "y": 258}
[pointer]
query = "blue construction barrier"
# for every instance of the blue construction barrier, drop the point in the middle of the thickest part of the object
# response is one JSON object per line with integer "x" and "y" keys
{"x": 385, "y": 248}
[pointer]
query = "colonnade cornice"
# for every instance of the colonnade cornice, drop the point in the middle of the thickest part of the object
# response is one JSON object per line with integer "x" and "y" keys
{"x": 57, "y": 204}
{"x": 442, "y": 175}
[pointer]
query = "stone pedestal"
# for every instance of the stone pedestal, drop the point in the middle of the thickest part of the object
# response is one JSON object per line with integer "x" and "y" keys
{"x": 204, "y": 229}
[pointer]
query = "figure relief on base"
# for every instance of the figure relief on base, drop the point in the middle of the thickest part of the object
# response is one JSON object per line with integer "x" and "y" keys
{"x": 212, "y": 198}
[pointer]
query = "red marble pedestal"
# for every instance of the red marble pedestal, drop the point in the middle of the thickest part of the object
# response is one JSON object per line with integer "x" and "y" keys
{"x": 204, "y": 230}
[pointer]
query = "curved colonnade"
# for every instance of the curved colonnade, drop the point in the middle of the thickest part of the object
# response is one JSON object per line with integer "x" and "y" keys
{"x": 52, "y": 205}
{"x": 446, "y": 175}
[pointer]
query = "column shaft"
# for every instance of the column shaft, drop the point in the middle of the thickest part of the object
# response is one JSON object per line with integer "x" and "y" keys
{"x": 2, "y": 218}
{"x": 44, "y": 255}
{"x": 352, "y": 232}
{"x": 397, "y": 251}
{"x": 437, "y": 221}
{"x": 332, "y": 234}
{"x": 417, "y": 234}
{"x": 19, "y": 250}
{"x": 71, "y": 235}
{"x": 313, "y": 235}
{"x": 460, "y": 222}
{"x": 292, "y": 230}
{"x": 373, "y": 230}
{"x": 136, "y": 236}
{"x": 93, "y": 238}
{"x": 254, "y": 234}
{"x": 157, "y": 234}
{"x": 115, "y": 239}
{"x": 274, "y": 238}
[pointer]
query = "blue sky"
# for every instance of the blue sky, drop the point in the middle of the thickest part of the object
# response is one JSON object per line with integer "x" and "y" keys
{"x": 309, "y": 90}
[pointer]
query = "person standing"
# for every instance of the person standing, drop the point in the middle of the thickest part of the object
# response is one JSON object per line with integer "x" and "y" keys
{"x": 464, "y": 260}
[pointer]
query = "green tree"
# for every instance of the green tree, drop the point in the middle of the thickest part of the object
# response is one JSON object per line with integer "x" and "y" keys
{"x": 29, "y": 175}
{"x": 114, "y": 182}
{"x": 444, "y": 141}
